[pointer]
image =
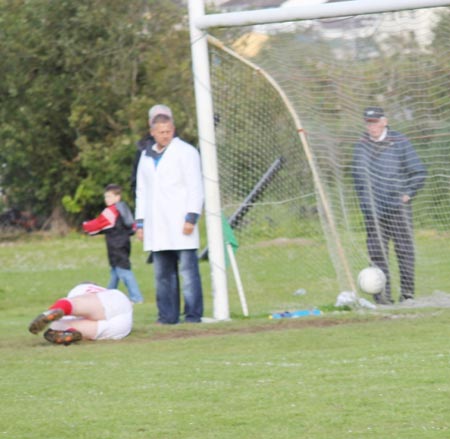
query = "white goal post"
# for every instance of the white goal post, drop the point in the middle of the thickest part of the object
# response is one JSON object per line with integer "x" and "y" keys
{"x": 200, "y": 22}
{"x": 311, "y": 12}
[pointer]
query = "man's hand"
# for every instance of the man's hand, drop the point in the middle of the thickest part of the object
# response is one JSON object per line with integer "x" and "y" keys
{"x": 140, "y": 234}
{"x": 406, "y": 198}
{"x": 188, "y": 228}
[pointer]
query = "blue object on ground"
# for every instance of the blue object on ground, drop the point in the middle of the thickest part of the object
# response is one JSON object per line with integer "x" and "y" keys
{"x": 295, "y": 314}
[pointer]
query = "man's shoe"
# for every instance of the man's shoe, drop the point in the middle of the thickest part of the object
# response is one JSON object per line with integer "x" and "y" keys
{"x": 44, "y": 319}
{"x": 62, "y": 337}
{"x": 381, "y": 299}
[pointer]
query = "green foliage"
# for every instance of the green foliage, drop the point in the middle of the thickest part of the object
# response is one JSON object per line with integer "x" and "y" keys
{"x": 85, "y": 193}
{"x": 77, "y": 81}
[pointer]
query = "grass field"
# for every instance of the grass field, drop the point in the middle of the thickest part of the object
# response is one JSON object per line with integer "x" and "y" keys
{"x": 350, "y": 374}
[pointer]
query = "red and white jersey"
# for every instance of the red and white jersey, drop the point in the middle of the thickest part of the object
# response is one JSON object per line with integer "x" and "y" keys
{"x": 86, "y": 288}
{"x": 106, "y": 220}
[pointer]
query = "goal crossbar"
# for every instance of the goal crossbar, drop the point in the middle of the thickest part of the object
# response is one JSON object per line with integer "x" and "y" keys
{"x": 310, "y": 12}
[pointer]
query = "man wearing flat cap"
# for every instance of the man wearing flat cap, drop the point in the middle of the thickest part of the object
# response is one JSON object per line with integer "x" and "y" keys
{"x": 387, "y": 174}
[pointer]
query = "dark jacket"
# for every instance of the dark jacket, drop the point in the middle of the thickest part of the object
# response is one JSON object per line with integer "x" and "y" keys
{"x": 144, "y": 144}
{"x": 384, "y": 171}
{"x": 118, "y": 244}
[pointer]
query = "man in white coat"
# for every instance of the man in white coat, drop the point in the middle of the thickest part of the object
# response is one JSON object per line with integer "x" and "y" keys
{"x": 169, "y": 200}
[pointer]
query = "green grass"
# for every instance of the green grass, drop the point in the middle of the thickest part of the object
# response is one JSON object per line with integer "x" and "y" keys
{"x": 343, "y": 375}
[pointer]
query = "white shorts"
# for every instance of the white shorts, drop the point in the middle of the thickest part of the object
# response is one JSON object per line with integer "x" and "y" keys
{"x": 118, "y": 312}
{"x": 119, "y": 315}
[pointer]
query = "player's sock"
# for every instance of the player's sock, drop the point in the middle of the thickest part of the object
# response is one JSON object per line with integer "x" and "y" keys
{"x": 63, "y": 304}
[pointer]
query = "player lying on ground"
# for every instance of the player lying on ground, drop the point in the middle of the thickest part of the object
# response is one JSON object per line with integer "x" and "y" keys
{"x": 88, "y": 312}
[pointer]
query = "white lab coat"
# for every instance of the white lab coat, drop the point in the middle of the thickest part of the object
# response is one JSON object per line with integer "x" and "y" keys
{"x": 166, "y": 193}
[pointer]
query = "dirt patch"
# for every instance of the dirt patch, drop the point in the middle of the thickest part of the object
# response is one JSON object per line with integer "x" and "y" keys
{"x": 438, "y": 300}
{"x": 211, "y": 330}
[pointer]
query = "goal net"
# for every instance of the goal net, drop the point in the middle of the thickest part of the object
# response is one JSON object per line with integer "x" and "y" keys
{"x": 288, "y": 102}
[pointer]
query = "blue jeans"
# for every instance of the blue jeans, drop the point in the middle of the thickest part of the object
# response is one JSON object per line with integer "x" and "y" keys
{"x": 127, "y": 277}
{"x": 167, "y": 285}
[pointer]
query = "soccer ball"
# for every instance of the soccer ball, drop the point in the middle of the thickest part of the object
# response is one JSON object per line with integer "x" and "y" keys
{"x": 371, "y": 280}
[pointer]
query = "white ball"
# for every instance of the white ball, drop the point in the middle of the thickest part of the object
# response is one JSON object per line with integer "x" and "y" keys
{"x": 371, "y": 280}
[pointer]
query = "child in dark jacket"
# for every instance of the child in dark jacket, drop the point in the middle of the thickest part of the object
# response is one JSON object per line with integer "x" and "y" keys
{"x": 117, "y": 223}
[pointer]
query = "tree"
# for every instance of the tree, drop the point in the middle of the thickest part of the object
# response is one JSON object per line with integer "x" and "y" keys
{"x": 77, "y": 81}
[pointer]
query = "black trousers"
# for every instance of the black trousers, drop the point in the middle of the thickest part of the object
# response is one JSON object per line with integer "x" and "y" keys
{"x": 395, "y": 225}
